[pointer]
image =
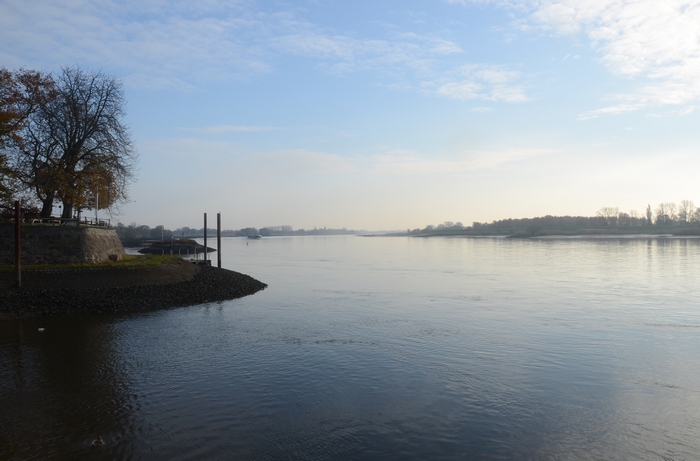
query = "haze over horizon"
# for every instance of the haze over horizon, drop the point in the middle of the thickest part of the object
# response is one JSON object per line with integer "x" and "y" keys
{"x": 386, "y": 115}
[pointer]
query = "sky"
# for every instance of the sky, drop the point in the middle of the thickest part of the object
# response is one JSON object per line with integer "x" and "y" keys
{"x": 384, "y": 115}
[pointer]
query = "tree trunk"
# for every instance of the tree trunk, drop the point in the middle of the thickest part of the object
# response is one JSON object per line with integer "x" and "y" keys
{"x": 67, "y": 210}
{"x": 46, "y": 207}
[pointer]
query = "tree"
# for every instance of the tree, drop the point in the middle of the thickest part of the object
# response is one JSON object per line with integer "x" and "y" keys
{"x": 7, "y": 175}
{"x": 665, "y": 213}
{"x": 21, "y": 93}
{"x": 76, "y": 145}
{"x": 609, "y": 214}
{"x": 685, "y": 211}
{"x": 623, "y": 219}
{"x": 671, "y": 211}
{"x": 157, "y": 232}
{"x": 648, "y": 214}
{"x": 635, "y": 218}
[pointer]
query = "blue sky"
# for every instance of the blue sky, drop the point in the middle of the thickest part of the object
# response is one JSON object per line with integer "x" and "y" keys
{"x": 386, "y": 115}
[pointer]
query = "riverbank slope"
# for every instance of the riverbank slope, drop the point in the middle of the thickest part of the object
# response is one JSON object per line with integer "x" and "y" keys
{"x": 99, "y": 290}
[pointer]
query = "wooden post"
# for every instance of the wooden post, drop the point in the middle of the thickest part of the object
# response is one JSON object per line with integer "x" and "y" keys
{"x": 205, "y": 239}
{"x": 218, "y": 239}
{"x": 18, "y": 246}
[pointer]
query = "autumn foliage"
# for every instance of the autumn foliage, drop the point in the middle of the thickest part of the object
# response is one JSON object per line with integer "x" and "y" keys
{"x": 63, "y": 139}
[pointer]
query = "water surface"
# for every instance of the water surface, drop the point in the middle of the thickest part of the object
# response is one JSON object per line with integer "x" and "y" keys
{"x": 376, "y": 348}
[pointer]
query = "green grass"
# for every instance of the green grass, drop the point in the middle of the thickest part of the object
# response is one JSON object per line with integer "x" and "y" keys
{"x": 127, "y": 261}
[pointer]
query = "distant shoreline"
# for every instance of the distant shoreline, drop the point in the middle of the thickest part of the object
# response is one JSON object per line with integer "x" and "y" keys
{"x": 552, "y": 233}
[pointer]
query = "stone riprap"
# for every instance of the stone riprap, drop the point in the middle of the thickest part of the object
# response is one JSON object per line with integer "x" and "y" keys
{"x": 41, "y": 244}
{"x": 119, "y": 290}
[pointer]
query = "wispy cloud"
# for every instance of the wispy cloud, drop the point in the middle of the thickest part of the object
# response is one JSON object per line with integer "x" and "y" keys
{"x": 341, "y": 54}
{"x": 390, "y": 161}
{"x": 172, "y": 44}
{"x": 222, "y": 129}
{"x": 166, "y": 44}
{"x": 652, "y": 43}
{"x": 402, "y": 162}
{"x": 260, "y": 163}
{"x": 414, "y": 60}
{"x": 298, "y": 163}
{"x": 673, "y": 113}
{"x": 486, "y": 83}
{"x": 188, "y": 149}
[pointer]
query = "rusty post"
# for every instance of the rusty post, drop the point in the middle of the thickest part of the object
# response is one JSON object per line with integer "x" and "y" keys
{"x": 18, "y": 246}
{"x": 218, "y": 239}
{"x": 205, "y": 239}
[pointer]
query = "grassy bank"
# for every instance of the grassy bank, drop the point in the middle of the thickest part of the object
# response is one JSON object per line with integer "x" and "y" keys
{"x": 126, "y": 261}
{"x": 136, "y": 284}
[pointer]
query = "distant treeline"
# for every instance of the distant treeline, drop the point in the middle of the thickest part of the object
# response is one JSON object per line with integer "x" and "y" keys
{"x": 136, "y": 231}
{"x": 667, "y": 215}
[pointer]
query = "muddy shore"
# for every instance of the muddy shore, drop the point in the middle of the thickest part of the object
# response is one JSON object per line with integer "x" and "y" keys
{"x": 70, "y": 292}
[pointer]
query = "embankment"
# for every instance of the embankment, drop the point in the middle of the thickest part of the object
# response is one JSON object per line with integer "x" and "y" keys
{"x": 99, "y": 290}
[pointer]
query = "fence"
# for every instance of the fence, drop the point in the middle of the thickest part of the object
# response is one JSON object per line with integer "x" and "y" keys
{"x": 64, "y": 222}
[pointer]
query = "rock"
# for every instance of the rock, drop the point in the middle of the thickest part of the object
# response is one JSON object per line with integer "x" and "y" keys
{"x": 208, "y": 284}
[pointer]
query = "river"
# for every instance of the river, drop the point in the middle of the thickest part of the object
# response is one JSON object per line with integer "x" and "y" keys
{"x": 380, "y": 348}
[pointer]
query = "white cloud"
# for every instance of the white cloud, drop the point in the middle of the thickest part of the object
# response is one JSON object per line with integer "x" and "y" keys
{"x": 152, "y": 44}
{"x": 171, "y": 44}
{"x": 653, "y": 43}
{"x": 673, "y": 113}
{"x": 486, "y": 83}
{"x": 344, "y": 54}
{"x": 651, "y": 40}
{"x": 611, "y": 110}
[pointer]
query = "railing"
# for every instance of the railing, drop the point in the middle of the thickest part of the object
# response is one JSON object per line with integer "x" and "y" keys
{"x": 65, "y": 222}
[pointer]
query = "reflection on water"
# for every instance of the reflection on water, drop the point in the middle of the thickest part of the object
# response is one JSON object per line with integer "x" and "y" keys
{"x": 380, "y": 347}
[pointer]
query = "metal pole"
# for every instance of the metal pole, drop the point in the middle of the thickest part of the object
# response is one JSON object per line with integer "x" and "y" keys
{"x": 18, "y": 246}
{"x": 218, "y": 239}
{"x": 205, "y": 239}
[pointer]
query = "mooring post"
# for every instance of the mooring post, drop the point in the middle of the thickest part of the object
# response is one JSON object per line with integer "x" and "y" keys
{"x": 218, "y": 239}
{"x": 18, "y": 246}
{"x": 205, "y": 239}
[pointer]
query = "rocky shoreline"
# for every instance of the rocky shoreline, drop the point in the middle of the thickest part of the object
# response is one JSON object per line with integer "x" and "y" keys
{"x": 192, "y": 285}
